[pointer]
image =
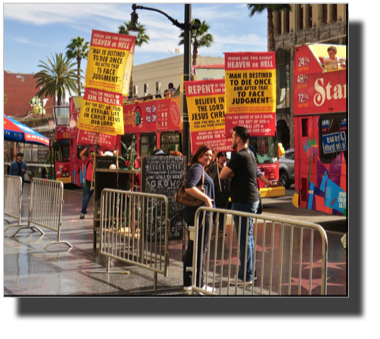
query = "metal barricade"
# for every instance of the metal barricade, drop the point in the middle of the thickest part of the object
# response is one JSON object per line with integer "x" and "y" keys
{"x": 12, "y": 199}
{"x": 134, "y": 229}
{"x": 45, "y": 208}
{"x": 278, "y": 256}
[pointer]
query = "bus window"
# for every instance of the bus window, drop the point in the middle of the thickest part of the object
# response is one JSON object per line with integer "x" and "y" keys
{"x": 333, "y": 135}
{"x": 266, "y": 150}
{"x": 147, "y": 144}
{"x": 170, "y": 141}
{"x": 63, "y": 153}
{"x": 127, "y": 140}
{"x": 62, "y": 115}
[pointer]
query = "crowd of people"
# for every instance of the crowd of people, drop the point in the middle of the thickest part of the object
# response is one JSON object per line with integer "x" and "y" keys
{"x": 168, "y": 93}
{"x": 236, "y": 180}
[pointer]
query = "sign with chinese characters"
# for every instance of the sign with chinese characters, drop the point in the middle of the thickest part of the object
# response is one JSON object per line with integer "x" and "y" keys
{"x": 152, "y": 116}
{"x": 206, "y": 107}
{"x": 169, "y": 118}
{"x": 250, "y": 80}
{"x": 86, "y": 138}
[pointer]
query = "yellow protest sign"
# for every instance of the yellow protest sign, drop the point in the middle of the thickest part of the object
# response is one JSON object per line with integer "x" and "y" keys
{"x": 206, "y": 107}
{"x": 250, "y": 79}
{"x": 101, "y": 112}
{"x": 110, "y": 62}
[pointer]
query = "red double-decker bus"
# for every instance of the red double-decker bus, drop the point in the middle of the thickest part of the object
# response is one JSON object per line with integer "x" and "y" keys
{"x": 320, "y": 130}
{"x": 152, "y": 124}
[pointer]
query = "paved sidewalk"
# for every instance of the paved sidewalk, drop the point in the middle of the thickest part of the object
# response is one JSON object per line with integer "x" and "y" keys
{"x": 30, "y": 270}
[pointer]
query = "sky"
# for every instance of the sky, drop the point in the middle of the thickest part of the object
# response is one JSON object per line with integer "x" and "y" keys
{"x": 33, "y": 32}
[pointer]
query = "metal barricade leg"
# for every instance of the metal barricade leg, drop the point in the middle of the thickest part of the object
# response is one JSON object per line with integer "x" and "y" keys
{"x": 12, "y": 200}
{"x": 45, "y": 208}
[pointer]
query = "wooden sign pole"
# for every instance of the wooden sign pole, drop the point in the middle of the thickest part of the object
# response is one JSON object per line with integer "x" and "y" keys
{"x": 93, "y": 166}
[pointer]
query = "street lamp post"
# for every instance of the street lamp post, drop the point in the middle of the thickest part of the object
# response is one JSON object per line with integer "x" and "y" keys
{"x": 186, "y": 27}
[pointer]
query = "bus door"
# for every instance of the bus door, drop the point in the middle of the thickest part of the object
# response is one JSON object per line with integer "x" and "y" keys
{"x": 305, "y": 157}
{"x": 62, "y": 161}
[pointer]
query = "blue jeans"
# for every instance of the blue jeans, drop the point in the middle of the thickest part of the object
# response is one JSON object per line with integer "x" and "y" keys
{"x": 249, "y": 208}
{"x": 224, "y": 206}
{"x": 87, "y": 194}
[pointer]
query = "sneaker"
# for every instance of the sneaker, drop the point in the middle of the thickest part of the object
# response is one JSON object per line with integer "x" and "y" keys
{"x": 81, "y": 216}
{"x": 240, "y": 282}
{"x": 187, "y": 288}
{"x": 208, "y": 289}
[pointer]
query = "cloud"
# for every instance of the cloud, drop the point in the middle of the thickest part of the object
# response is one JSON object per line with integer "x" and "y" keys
{"x": 25, "y": 41}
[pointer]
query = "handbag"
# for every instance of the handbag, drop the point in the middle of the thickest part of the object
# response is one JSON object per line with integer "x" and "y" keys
{"x": 260, "y": 207}
{"x": 184, "y": 198}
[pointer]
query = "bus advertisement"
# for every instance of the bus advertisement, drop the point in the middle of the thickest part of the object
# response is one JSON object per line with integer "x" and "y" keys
{"x": 320, "y": 130}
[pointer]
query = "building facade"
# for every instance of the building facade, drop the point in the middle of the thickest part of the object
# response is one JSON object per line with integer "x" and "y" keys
{"x": 20, "y": 89}
{"x": 157, "y": 76}
{"x": 306, "y": 23}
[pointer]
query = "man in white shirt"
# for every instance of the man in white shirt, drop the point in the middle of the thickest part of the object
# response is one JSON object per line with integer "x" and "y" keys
{"x": 332, "y": 61}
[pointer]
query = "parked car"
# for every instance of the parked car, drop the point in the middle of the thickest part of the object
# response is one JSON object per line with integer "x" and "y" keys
{"x": 287, "y": 168}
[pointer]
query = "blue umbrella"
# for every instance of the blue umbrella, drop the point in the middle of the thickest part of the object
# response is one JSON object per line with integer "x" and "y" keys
{"x": 15, "y": 131}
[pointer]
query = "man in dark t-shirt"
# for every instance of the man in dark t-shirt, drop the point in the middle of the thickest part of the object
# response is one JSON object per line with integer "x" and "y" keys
{"x": 245, "y": 198}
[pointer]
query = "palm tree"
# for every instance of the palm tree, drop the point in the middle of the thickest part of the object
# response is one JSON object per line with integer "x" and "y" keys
{"x": 199, "y": 38}
{"x": 78, "y": 49}
{"x": 253, "y": 9}
{"x": 56, "y": 78}
{"x": 142, "y": 38}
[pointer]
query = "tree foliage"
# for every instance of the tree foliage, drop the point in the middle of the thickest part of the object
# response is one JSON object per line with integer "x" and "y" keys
{"x": 57, "y": 76}
{"x": 78, "y": 49}
{"x": 271, "y": 8}
{"x": 142, "y": 38}
{"x": 199, "y": 38}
